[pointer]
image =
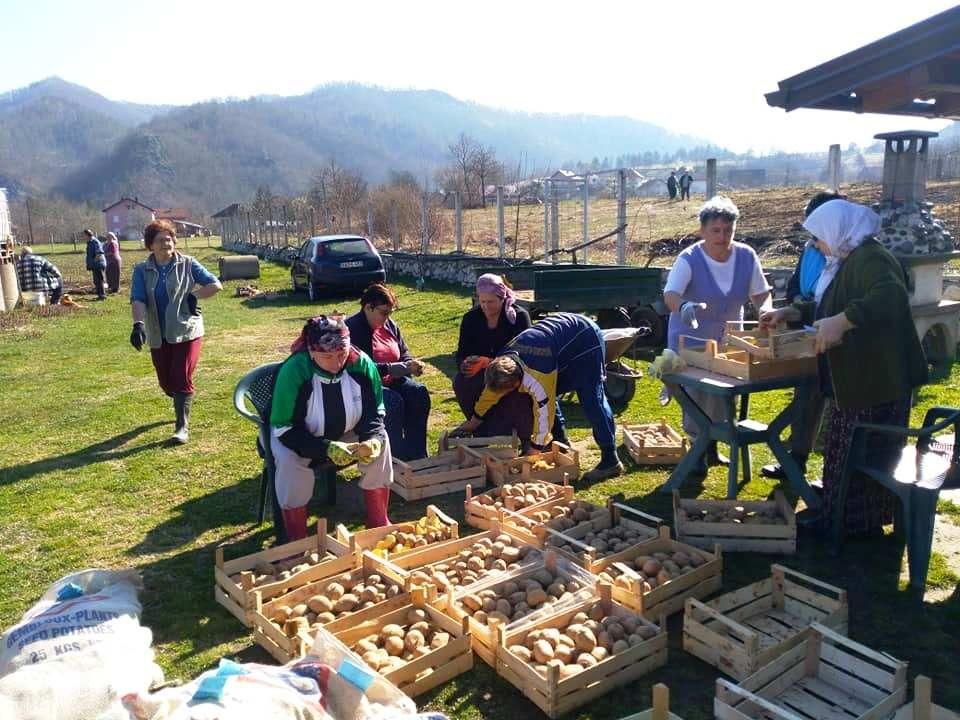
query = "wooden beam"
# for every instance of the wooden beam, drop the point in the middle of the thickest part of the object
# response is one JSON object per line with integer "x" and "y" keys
{"x": 896, "y": 91}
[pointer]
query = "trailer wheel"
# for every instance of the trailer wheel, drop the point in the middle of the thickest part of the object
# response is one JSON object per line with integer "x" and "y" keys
{"x": 620, "y": 392}
{"x": 647, "y": 317}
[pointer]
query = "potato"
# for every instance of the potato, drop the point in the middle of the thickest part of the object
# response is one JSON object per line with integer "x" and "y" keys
{"x": 365, "y": 646}
{"x": 596, "y": 612}
{"x": 439, "y": 640}
{"x": 282, "y": 612}
{"x": 616, "y": 631}
{"x": 600, "y": 653}
{"x": 417, "y": 615}
{"x": 391, "y": 630}
{"x": 586, "y": 640}
{"x": 325, "y": 617}
{"x": 521, "y": 652}
{"x": 320, "y": 604}
{"x": 422, "y": 627}
{"x": 681, "y": 558}
{"x": 497, "y": 617}
{"x": 480, "y": 616}
{"x": 335, "y": 591}
{"x": 373, "y": 658}
{"x": 393, "y": 645}
{"x": 564, "y": 652}
{"x": 651, "y": 567}
{"x": 542, "y": 651}
{"x": 472, "y": 602}
{"x": 619, "y": 646}
{"x": 414, "y": 639}
{"x": 570, "y": 670}
{"x": 536, "y": 596}
{"x": 347, "y": 603}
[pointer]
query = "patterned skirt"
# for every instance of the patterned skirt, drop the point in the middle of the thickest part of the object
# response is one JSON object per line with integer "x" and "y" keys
{"x": 870, "y": 506}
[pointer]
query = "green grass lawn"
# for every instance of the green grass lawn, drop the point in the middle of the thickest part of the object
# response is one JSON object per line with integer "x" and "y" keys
{"x": 86, "y": 480}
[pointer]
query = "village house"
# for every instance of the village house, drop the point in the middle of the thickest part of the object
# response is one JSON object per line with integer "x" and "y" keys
{"x": 127, "y": 217}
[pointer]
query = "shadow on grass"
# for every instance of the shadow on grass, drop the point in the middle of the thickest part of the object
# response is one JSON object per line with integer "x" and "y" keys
{"x": 103, "y": 451}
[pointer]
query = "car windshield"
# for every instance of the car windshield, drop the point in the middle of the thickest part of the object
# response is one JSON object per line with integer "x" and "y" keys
{"x": 354, "y": 246}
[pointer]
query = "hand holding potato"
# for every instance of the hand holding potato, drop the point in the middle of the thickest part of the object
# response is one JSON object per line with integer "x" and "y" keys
{"x": 830, "y": 331}
{"x": 772, "y": 318}
{"x": 415, "y": 367}
{"x": 368, "y": 450}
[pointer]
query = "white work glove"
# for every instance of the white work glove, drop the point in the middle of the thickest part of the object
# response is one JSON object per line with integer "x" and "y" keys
{"x": 688, "y": 313}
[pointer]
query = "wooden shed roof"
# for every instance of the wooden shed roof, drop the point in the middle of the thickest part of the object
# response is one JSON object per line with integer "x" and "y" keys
{"x": 915, "y": 71}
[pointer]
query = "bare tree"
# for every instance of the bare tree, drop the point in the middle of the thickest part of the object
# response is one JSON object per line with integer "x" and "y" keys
{"x": 486, "y": 169}
{"x": 463, "y": 152}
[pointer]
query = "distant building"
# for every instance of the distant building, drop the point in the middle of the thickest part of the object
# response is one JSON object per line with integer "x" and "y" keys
{"x": 127, "y": 217}
{"x": 181, "y": 220}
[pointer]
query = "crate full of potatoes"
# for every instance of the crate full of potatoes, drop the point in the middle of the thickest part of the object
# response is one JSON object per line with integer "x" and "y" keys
{"x": 391, "y": 541}
{"x": 481, "y": 510}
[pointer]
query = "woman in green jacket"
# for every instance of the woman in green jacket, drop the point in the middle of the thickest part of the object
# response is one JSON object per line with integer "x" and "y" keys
{"x": 870, "y": 358}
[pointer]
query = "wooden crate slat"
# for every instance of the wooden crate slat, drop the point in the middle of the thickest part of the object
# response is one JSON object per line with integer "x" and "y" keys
{"x": 771, "y": 629}
{"x": 836, "y": 678}
{"x": 446, "y": 672}
{"x": 804, "y": 703}
{"x": 750, "y": 593}
{"x": 410, "y": 494}
{"x": 837, "y": 696}
{"x": 855, "y": 667}
{"x": 737, "y": 537}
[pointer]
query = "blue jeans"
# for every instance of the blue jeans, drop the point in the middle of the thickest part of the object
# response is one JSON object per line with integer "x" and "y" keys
{"x": 586, "y": 379}
{"x": 408, "y": 406}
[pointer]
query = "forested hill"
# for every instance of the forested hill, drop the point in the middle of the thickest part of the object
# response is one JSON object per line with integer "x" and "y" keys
{"x": 62, "y": 138}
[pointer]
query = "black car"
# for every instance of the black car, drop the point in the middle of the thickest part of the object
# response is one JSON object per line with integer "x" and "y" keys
{"x": 329, "y": 263}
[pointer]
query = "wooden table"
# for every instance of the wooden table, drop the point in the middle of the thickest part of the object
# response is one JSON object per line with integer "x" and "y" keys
{"x": 738, "y": 432}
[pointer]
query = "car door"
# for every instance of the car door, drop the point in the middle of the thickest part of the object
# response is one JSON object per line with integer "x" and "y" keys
{"x": 301, "y": 262}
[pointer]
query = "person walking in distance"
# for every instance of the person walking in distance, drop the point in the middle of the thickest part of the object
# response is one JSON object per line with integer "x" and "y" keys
{"x": 672, "y": 185}
{"x": 686, "y": 180}
{"x": 96, "y": 262}
{"x": 111, "y": 249}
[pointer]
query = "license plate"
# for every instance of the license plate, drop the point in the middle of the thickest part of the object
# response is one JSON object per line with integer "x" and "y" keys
{"x": 352, "y": 263}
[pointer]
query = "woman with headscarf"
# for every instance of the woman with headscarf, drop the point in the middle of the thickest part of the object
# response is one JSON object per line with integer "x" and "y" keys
{"x": 484, "y": 331}
{"x": 870, "y": 358}
{"x": 326, "y": 392}
{"x": 111, "y": 249}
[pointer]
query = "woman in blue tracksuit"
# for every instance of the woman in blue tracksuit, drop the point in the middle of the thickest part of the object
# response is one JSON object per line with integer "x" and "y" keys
{"x": 561, "y": 353}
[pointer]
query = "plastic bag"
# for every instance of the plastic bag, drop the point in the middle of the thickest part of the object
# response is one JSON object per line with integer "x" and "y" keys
{"x": 77, "y": 651}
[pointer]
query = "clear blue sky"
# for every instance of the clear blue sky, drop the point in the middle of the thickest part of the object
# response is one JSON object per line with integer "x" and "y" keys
{"x": 697, "y": 67}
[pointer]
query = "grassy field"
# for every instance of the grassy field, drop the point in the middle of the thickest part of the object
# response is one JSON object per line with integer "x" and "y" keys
{"x": 87, "y": 480}
{"x": 767, "y": 213}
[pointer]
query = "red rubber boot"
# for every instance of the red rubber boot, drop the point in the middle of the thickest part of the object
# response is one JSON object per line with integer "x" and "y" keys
{"x": 385, "y": 501}
{"x": 295, "y": 522}
{"x": 376, "y": 512}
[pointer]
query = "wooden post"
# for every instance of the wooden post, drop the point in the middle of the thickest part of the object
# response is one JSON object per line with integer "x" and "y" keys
{"x": 711, "y": 177}
{"x": 394, "y": 231}
{"x": 554, "y": 225}
{"x": 833, "y": 168}
{"x": 661, "y": 702}
{"x": 501, "y": 240}
{"x": 586, "y": 216}
{"x": 921, "y": 698}
{"x": 458, "y": 219}
{"x": 370, "y": 221}
{"x": 286, "y": 242}
{"x": 622, "y": 217}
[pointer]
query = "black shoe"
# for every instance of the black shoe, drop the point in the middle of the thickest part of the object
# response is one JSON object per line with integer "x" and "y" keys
{"x": 714, "y": 457}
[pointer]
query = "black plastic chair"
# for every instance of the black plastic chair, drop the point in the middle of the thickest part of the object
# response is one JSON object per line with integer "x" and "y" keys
{"x": 257, "y": 388}
{"x": 915, "y": 474}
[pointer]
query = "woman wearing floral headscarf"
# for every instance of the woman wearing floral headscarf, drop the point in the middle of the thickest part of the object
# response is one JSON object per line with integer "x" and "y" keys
{"x": 484, "y": 332}
{"x": 325, "y": 391}
{"x": 869, "y": 355}
{"x": 111, "y": 250}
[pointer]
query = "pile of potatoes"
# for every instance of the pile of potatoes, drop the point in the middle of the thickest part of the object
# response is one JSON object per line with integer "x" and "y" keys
{"x": 736, "y": 515}
{"x": 608, "y": 541}
{"x": 589, "y": 638}
{"x": 408, "y": 536}
{"x": 654, "y": 570}
{"x": 514, "y": 599}
{"x": 265, "y": 573}
{"x": 343, "y": 595}
{"x": 472, "y": 563}
{"x": 396, "y": 645}
{"x": 567, "y": 515}
{"x": 652, "y": 436}
{"x": 516, "y": 496}
{"x": 536, "y": 464}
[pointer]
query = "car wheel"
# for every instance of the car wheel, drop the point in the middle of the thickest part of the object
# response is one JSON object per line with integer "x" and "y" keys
{"x": 620, "y": 392}
{"x": 312, "y": 291}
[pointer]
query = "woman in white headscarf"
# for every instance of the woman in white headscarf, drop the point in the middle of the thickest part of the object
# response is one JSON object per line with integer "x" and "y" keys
{"x": 869, "y": 355}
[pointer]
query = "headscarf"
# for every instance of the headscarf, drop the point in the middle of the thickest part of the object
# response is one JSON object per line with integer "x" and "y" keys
{"x": 323, "y": 334}
{"x": 843, "y": 226}
{"x": 495, "y": 285}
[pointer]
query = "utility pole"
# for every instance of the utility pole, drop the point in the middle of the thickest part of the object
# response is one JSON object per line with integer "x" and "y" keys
{"x": 30, "y": 222}
{"x": 622, "y": 217}
{"x": 501, "y": 241}
{"x": 586, "y": 216}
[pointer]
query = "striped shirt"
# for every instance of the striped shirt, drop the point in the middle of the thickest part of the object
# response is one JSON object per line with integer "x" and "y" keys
{"x": 37, "y": 274}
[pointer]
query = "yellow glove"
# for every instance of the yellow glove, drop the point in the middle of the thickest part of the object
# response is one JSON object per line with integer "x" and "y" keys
{"x": 339, "y": 453}
{"x": 369, "y": 449}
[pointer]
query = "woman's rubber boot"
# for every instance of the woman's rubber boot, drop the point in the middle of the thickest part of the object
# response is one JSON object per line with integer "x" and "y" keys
{"x": 295, "y": 522}
{"x": 385, "y": 500}
{"x": 181, "y": 407}
{"x": 608, "y": 467}
{"x": 376, "y": 508}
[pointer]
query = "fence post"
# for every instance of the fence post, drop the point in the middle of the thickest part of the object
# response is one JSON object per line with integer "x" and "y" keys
{"x": 711, "y": 177}
{"x": 622, "y": 216}
{"x": 370, "y": 222}
{"x": 833, "y": 168}
{"x": 547, "y": 188}
{"x": 501, "y": 240}
{"x": 586, "y": 216}
{"x": 555, "y": 224}
{"x": 394, "y": 230}
{"x": 458, "y": 219}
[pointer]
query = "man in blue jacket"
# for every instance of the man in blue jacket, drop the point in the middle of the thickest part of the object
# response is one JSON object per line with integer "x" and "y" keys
{"x": 96, "y": 263}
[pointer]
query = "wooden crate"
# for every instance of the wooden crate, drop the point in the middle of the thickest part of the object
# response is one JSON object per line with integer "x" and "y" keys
{"x": 480, "y": 444}
{"x": 660, "y": 709}
{"x": 668, "y": 598}
{"x": 426, "y": 672}
{"x": 705, "y": 355}
{"x": 448, "y": 472}
{"x": 668, "y": 449}
{"x": 485, "y": 637}
{"x": 824, "y": 677}
{"x": 583, "y": 553}
{"x": 529, "y": 528}
{"x": 743, "y": 631}
{"x": 235, "y": 580}
{"x": 271, "y": 636}
{"x": 424, "y": 561}
{"x": 554, "y": 696}
{"x": 733, "y": 536}
{"x": 565, "y": 463}
{"x": 774, "y": 344}
{"x": 368, "y": 539}
{"x": 483, "y": 516}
